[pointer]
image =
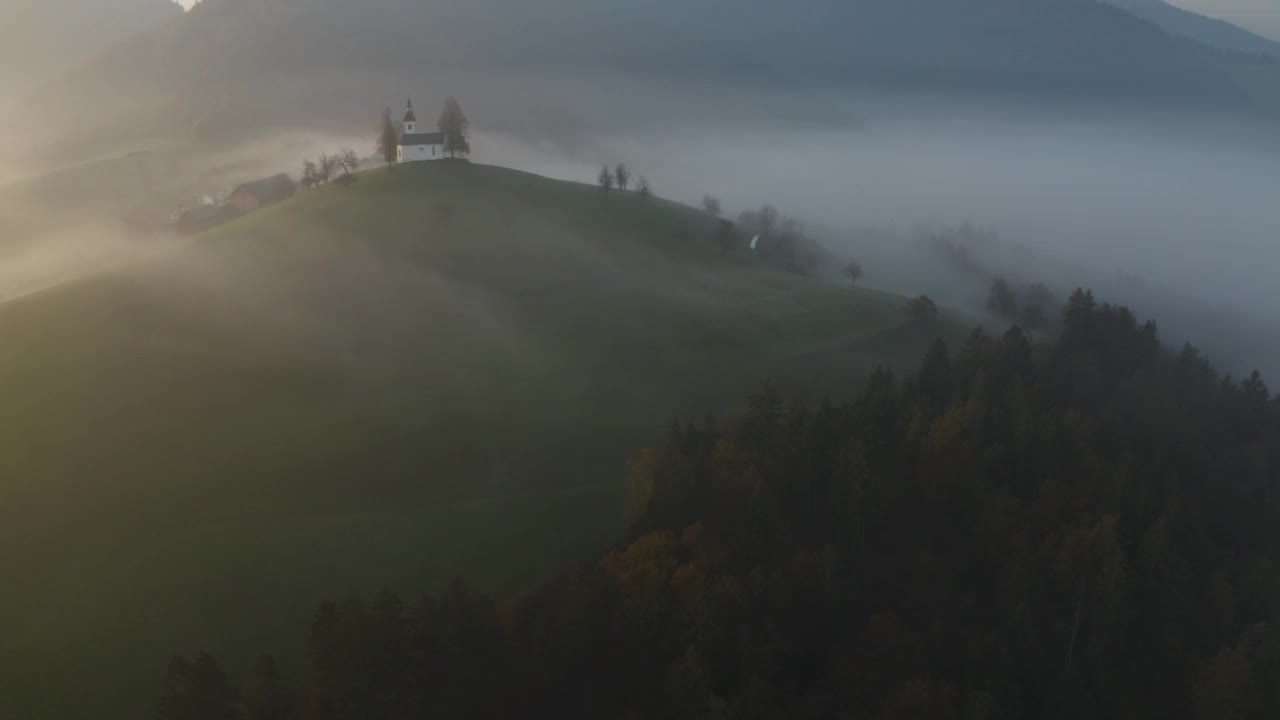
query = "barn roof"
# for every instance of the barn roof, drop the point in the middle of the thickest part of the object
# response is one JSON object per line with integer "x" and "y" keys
{"x": 434, "y": 138}
{"x": 269, "y": 189}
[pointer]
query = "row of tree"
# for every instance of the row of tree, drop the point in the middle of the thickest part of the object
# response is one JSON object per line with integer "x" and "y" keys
{"x": 1082, "y": 528}
{"x": 779, "y": 240}
{"x": 1032, "y": 306}
{"x": 327, "y": 167}
{"x": 620, "y": 177}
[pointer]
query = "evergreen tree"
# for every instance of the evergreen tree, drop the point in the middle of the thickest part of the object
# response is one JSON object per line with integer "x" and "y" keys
{"x": 268, "y": 697}
{"x": 388, "y": 138}
{"x": 310, "y": 174}
{"x": 1085, "y": 527}
{"x": 454, "y": 126}
{"x": 196, "y": 690}
{"x": 1001, "y": 299}
{"x": 711, "y": 205}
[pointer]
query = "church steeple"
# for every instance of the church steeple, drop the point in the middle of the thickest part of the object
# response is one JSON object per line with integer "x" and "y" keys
{"x": 410, "y": 120}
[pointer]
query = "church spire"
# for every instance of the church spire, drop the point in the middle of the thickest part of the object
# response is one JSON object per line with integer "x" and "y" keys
{"x": 410, "y": 120}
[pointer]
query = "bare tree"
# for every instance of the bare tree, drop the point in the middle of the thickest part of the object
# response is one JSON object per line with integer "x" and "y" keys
{"x": 622, "y": 176}
{"x": 348, "y": 161}
{"x": 326, "y": 164}
{"x": 645, "y": 190}
{"x": 605, "y": 179}
{"x": 711, "y": 205}
{"x": 854, "y": 272}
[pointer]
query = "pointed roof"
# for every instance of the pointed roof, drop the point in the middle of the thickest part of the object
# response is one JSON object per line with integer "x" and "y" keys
{"x": 408, "y": 113}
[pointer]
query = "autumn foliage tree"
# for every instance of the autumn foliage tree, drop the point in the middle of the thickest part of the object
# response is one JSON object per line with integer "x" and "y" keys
{"x": 1083, "y": 527}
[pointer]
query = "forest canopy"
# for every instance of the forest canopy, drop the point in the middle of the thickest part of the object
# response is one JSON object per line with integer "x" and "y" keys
{"x": 1081, "y": 527}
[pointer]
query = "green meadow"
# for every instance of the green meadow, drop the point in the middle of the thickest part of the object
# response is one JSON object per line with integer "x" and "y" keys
{"x": 438, "y": 370}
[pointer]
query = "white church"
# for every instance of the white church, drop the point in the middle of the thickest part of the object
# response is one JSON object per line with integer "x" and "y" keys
{"x": 417, "y": 146}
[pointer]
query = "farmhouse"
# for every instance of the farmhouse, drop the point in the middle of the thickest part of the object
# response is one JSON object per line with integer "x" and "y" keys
{"x": 261, "y": 193}
{"x": 417, "y": 146}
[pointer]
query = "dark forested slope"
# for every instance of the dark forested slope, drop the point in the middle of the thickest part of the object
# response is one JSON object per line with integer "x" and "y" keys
{"x": 1083, "y": 528}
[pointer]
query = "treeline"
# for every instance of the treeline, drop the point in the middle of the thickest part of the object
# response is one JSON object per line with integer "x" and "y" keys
{"x": 776, "y": 240}
{"x": 780, "y": 241}
{"x": 1031, "y": 306}
{"x": 1083, "y": 528}
{"x": 325, "y": 168}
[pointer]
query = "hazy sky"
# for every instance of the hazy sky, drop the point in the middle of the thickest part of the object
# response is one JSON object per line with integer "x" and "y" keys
{"x": 1261, "y": 16}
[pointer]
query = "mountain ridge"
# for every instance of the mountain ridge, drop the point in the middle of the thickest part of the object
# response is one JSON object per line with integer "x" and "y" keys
{"x": 237, "y": 63}
{"x": 1211, "y": 31}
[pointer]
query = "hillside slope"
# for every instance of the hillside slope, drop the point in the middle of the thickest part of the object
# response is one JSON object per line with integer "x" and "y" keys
{"x": 371, "y": 385}
{"x": 40, "y": 38}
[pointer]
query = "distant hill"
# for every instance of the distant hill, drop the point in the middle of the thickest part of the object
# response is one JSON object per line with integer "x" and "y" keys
{"x": 40, "y": 38}
{"x": 1210, "y": 31}
{"x": 232, "y": 65}
{"x": 441, "y": 367}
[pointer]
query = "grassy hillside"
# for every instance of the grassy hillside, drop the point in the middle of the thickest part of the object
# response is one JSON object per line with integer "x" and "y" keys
{"x": 389, "y": 383}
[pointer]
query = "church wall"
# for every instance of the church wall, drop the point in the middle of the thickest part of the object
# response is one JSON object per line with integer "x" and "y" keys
{"x": 419, "y": 153}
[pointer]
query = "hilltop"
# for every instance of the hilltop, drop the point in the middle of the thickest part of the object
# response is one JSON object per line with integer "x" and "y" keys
{"x": 439, "y": 367}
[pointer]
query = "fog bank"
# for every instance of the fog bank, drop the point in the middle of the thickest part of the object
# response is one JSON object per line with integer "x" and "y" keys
{"x": 1173, "y": 216}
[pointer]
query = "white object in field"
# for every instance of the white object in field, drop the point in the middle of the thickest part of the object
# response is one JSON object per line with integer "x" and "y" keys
{"x": 754, "y": 241}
